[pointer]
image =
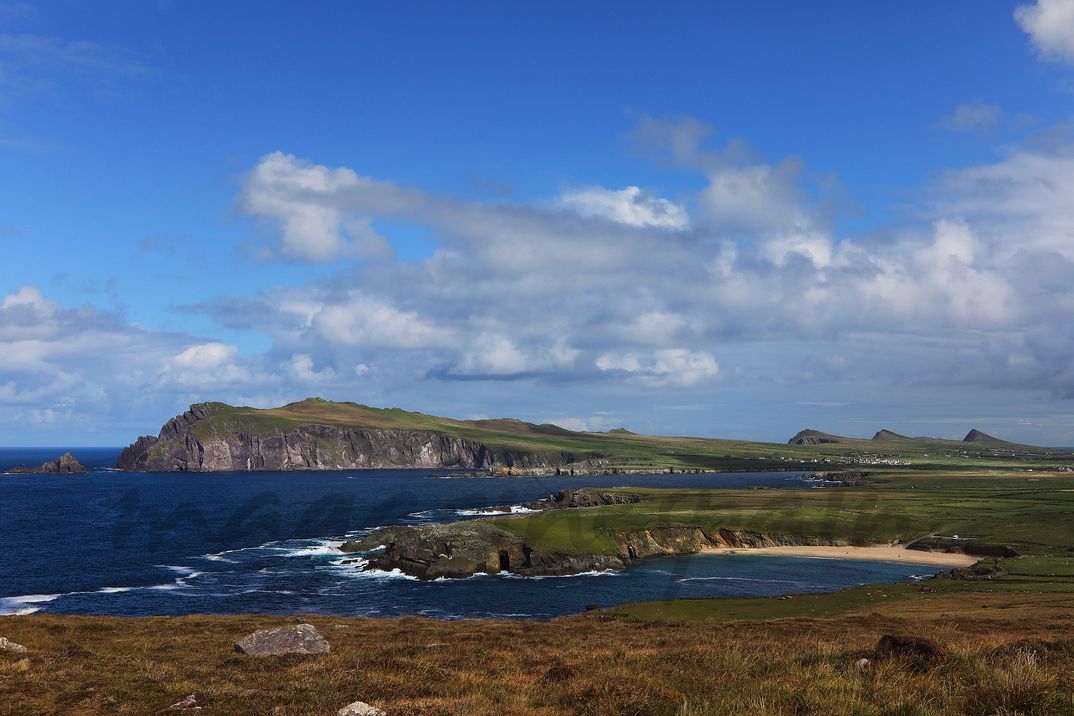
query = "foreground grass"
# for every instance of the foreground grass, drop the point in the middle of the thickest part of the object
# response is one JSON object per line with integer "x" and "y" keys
{"x": 591, "y": 664}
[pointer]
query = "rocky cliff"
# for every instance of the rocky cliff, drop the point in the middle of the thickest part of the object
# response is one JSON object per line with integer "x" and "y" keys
{"x": 204, "y": 439}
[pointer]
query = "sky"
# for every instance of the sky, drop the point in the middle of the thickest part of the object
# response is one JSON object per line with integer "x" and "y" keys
{"x": 720, "y": 219}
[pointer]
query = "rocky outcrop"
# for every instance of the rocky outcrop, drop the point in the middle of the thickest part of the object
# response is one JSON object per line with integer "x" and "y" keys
{"x": 293, "y": 639}
{"x": 198, "y": 442}
{"x": 570, "y": 499}
{"x": 66, "y": 464}
{"x": 462, "y": 549}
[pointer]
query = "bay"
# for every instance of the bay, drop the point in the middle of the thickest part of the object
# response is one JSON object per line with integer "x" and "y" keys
{"x": 179, "y": 543}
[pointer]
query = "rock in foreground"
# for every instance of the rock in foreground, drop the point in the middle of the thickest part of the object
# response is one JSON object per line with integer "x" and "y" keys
{"x": 10, "y": 647}
{"x": 295, "y": 639}
{"x": 360, "y": 708}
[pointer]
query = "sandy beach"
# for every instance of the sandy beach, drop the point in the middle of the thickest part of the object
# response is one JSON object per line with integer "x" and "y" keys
{"x": 879, "y": 553}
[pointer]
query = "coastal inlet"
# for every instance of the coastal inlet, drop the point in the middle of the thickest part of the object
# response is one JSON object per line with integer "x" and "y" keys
{"x": 133, "y": 543}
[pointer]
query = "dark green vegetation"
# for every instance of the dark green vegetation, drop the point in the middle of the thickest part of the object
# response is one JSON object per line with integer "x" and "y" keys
{"x": 621, "y": 449}
{"x": 1034, "y": 514}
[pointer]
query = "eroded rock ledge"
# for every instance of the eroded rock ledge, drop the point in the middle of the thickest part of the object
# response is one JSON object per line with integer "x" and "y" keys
{"x": 462, "y": 549}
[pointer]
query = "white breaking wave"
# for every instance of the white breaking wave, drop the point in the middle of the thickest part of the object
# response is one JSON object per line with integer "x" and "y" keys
{"x": 591, "y": 573}
{"x": 485, "y": 512}
{"x": 17, "y": 605}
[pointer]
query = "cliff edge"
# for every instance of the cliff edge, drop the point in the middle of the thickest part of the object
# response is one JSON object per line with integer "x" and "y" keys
{"x": 317, "y": 434}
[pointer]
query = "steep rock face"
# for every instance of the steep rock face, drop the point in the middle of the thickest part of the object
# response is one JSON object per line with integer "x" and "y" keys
{"x": 182, "y": 446}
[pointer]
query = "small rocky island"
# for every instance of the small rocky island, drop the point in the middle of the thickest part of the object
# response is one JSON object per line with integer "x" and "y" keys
{"x": 66, "y": 464}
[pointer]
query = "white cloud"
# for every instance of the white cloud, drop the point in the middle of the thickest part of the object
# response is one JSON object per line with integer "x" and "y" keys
{"x": 300, "y": 367}
{"x": 499, "y": 356}
{"x": 1050, "y": 25}
{"x": 669, "y": 368}
{"x": 631, "y": 206}
{"x": 205, "y": 366}
{"x": 302, "y": 197}
{"x": 362, "y": 320}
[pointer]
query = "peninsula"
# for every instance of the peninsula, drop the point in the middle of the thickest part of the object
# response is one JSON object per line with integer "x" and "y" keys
{"x": 318, "y": 434}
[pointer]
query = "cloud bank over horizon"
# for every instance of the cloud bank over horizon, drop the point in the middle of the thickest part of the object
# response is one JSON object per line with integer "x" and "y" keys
{"x": 710, "y": 284}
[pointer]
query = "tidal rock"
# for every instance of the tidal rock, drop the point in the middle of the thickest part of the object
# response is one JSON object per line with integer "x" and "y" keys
{"x": 66, "y": 464}
{"x": 10, "y": 647}
{"x": 294, "y": 639}
{"x": 360, "y": 708}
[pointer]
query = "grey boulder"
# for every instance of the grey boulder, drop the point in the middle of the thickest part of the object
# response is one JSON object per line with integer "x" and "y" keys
{"x": 6, "y": 645}
{"x": 360, "y": 708}
{"x": 294, "y": 639}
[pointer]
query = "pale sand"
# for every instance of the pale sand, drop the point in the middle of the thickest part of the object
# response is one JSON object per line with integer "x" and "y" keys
{"x": 880, "y": 553}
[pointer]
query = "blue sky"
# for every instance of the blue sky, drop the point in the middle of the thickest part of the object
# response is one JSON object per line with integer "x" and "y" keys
{"x": 722, "y": 219}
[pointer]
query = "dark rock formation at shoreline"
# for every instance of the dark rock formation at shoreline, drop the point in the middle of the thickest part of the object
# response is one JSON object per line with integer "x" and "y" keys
{"x": 462, "y": 549}
{"x": 66, "y": 464}
{"x": 189, "y": 443}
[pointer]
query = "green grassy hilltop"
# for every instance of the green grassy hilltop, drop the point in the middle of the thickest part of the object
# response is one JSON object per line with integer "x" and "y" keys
{"x": 622, "y": 449}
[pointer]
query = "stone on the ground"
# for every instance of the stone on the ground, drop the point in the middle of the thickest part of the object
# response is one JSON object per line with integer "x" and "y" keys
{"x": 187, "y": 703}
{"x": 360, "y": 708}
{"x": 294, "y": 639}
{"x": 11, "y": 647}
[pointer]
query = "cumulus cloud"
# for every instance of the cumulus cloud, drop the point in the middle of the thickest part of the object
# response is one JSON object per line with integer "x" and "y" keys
{"x": 1050, "y": 25}
{"x": 497, "y": 356}
{"x": 668, "y": 368}
{"x": 300, "y": 196}
{"x": 631, "y": 206}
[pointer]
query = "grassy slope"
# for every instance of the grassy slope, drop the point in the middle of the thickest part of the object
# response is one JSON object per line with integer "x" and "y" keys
{"x": 627, "y": 450}
{"x": 579, "y": 665}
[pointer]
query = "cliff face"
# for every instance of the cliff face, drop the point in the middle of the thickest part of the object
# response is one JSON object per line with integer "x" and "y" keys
{"x": 188, "y": 443}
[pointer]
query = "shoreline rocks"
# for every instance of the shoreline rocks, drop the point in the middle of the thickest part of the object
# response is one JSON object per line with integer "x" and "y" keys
{"x": 462, "y": 549}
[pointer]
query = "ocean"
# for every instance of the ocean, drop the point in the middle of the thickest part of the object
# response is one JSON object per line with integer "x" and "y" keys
{"x": 136, "y": 544}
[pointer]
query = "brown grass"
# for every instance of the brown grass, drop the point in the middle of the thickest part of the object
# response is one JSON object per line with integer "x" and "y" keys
{"x": 579, "y": 665}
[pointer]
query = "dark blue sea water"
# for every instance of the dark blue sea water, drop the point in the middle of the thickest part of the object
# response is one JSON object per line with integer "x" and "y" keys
{"x": 172, "y": 543}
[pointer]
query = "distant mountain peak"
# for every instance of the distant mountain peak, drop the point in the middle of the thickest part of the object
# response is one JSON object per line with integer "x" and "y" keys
{"x": 886, "y": 434}
{"x": 813, "y": 437}
{"x": 977, "y": 436}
